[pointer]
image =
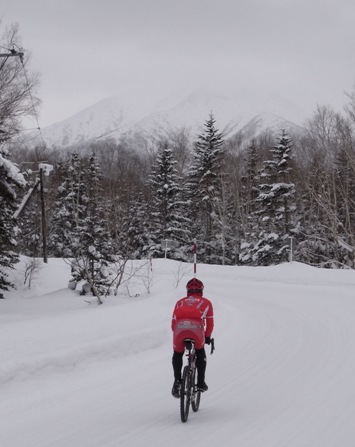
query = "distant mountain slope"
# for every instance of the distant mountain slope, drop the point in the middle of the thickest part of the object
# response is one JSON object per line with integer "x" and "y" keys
{"x": 231, "y": 115}
{"x": 116, "y": 117}
{"x": 97, "y": 121}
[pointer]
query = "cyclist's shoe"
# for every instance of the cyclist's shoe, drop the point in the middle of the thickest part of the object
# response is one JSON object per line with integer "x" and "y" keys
{"x": 202, "y": 387}
{"x": 176, "y": 389}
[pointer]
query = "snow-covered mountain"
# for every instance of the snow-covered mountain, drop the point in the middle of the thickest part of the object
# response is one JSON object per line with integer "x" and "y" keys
{"x": 116, "y": 117}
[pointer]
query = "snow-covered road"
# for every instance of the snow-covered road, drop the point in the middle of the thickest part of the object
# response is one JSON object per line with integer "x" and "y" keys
{"x": 80, "y": 375}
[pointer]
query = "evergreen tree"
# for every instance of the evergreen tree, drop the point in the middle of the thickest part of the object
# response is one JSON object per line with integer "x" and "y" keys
{"x": 80, "y": 223}
{"x": 132, "y": 234}
{"x": 274, "y": 206}
{"x": 204, "y": 190}
{"x": 167, "y": 220}
{"x": 69, "y": 207}
{"x": 8, "y": 258}
{"x": 250, "y": 180}
{"x": 91, "y": 243}
{"x": 10, "y": 178}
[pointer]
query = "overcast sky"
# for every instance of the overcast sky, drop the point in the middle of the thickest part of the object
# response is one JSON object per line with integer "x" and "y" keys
{"x": 86, "y": 50}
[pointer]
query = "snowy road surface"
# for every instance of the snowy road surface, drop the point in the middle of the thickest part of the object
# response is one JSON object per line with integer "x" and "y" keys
{"x": 80, "y": 375}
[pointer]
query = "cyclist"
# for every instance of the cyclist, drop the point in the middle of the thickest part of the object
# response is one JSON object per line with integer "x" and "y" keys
{"x": 192, "y": 318}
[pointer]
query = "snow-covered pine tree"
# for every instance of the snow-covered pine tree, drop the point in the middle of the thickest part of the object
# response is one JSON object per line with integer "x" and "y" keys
{"x": 249, "y": 219}
{"x": 131, "y": 238}
{"x": 275, "y": 206}
{"x": 10, "y": 178}
{"x": 92, "y": 245}
{"x": 69, "y": 207}
{"x": 167, "y": 222}
{"x": 204, "y": 190}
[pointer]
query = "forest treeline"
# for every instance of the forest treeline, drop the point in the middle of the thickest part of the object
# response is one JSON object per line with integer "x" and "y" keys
{"x": 255, "y": 201}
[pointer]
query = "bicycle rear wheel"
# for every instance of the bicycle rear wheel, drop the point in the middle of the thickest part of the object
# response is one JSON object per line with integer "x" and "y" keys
{"x": 185, "y": 394}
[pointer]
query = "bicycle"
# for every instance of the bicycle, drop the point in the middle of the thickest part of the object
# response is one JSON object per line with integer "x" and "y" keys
{"x": 189, "y": 393}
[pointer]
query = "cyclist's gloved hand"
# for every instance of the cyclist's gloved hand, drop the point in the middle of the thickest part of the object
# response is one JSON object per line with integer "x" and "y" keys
{"x": 208, "y": 340}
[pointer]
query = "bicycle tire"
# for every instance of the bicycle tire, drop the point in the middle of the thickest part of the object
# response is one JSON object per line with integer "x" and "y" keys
{"x": 196, "y": 395}
{"x": 185, "y": 394}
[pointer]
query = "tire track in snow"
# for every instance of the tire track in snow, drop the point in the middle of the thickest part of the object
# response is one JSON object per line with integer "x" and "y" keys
{"x": 72, "y": 357}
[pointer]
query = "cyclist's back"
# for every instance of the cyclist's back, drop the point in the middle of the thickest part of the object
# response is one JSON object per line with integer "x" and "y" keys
{"x": 192, "y": 318}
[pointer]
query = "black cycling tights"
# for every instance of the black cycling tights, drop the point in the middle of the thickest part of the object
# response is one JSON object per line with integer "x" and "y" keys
{"x": 200, "y": 364}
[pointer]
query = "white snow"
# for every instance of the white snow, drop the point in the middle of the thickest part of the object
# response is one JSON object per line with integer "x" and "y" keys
{"x": 75, "y": 374}
{"x": 46, "y": 168}
{"x": 12, "y": 171}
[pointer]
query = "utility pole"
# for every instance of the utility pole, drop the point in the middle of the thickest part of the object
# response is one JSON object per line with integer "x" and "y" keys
{"x": 43, "y": 169}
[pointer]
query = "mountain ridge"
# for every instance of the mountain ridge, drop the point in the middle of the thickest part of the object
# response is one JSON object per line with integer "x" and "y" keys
{"x": 116, "y": 117}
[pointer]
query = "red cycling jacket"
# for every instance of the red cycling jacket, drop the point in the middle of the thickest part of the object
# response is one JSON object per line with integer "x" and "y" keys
{"x": 195, "y": 307}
